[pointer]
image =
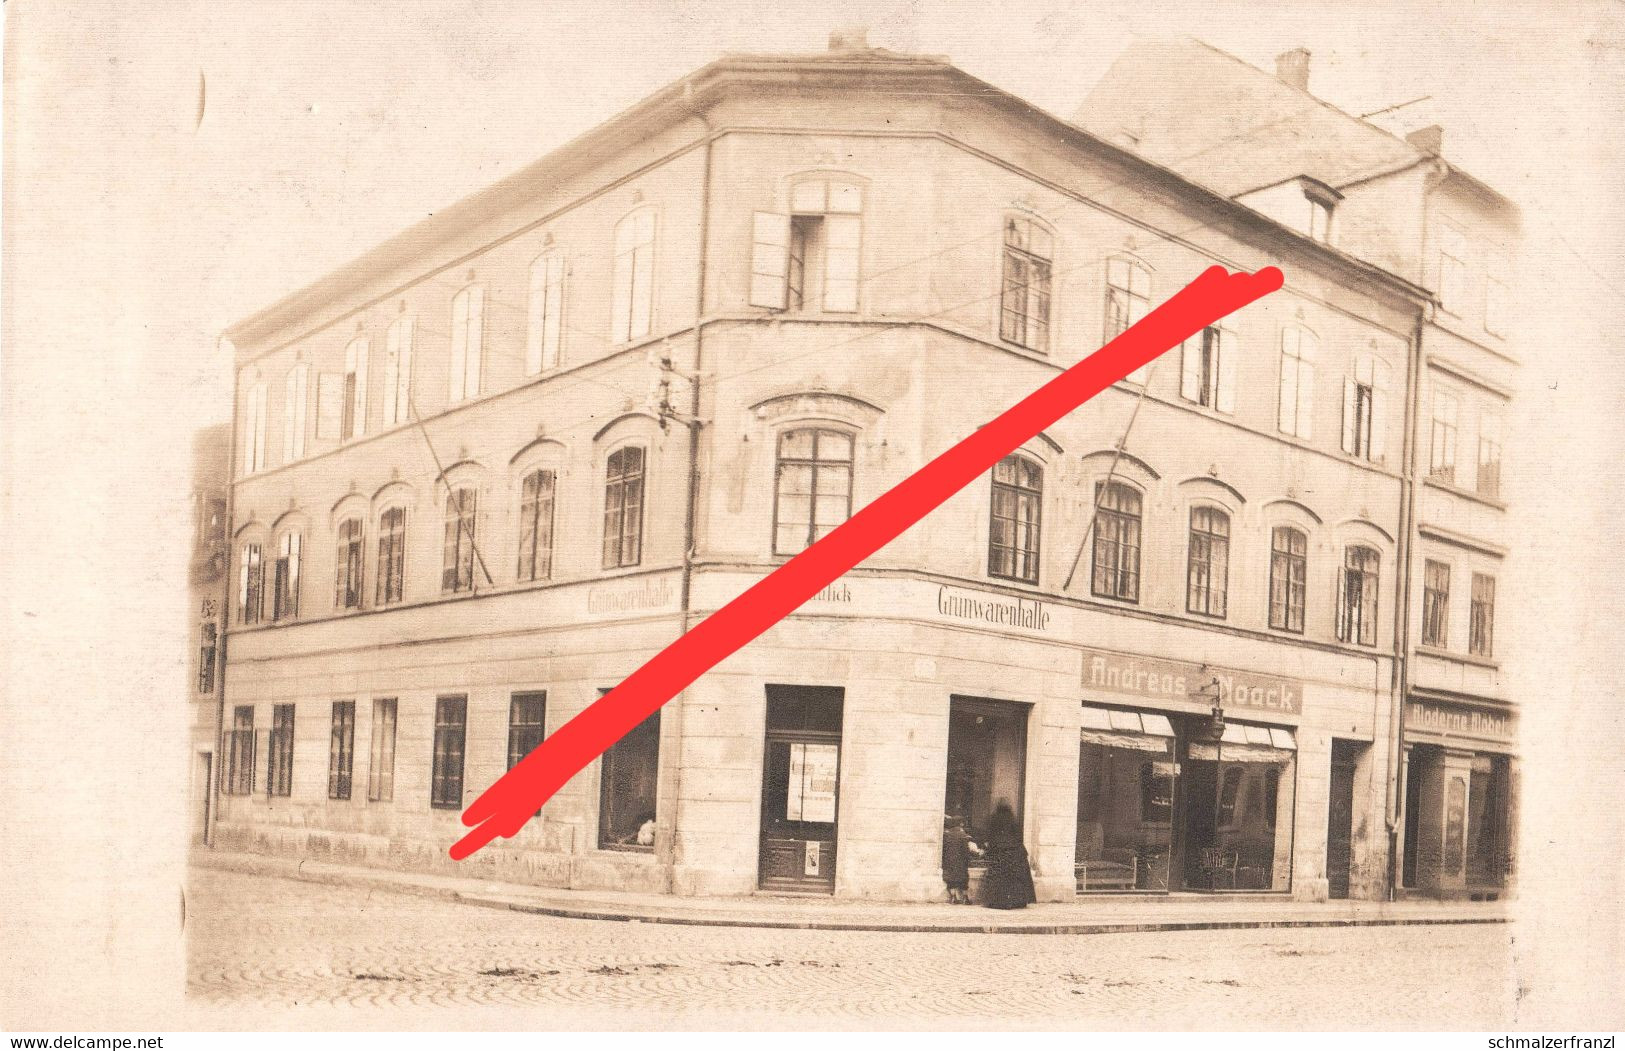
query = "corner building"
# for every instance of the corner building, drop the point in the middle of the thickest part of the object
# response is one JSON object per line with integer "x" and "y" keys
{"x": 859, "y": 257}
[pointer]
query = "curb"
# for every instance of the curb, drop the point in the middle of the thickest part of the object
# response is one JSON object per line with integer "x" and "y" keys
{"x": 288, "y": 869}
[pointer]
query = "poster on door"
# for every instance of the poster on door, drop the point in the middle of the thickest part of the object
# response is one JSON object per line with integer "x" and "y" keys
{"x": 812, "y": 782}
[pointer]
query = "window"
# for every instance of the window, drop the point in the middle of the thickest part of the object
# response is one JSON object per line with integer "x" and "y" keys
{"x": 381, "y": 757}
{"x": 398, "y": 371}
{"x": 1442, "y": 460}
{"x": 1128, "y": 299}
{"x": 623, "y": 508}
{"x": 1024, "y": 309}
{"x": 295, "y": 396}
{"x": 341, "y": 750}
{"x": 1289, "y": 573}
{"x": 1320, "y": 220}
{"x": 1208, "y": 369}
{"x": 826, "y": 227}
{"x": 467, "y": 342}
{"x": 1297, "y": 395}
{"x": 250, "y": 585}
{"x": 1481, "y": 632}
{"x": 285, "y": 594}
{"x": 279, "y": 766}
{"x": 457, "y": 568}
{"x": 450, "y": 730}
{"x": 1357, "y": 603}
{"x": 1496, "y": 294}
{"x": 1208, "y": 571}
{"x": 1452, "y": 269}
{"x": 205, "y": 658}
{"x": 628, "y": 789}
{"x": 349, "y": 564}
{"x": 1489, "y": 456}
{"x": 391, "y": 555}
{"x": 545, "y": 331}
{"x": 240, "y": 752}
{"x": 812, "y": 487}
{"x": 1365, "y": 409}
{"x": 527, "y": 714}
{"x": 355, "y": 388}
{"x": 632, "y": 306}
{"x": 1117, "y": 542}
{"x": 1014, "y": 519}
{"x": 536, "y": 526}
{"x": 1436, "y": 604}
{"x": 254, "y": 429}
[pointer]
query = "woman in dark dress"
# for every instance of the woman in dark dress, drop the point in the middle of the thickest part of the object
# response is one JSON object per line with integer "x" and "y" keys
{"x": 1009, "y": 880}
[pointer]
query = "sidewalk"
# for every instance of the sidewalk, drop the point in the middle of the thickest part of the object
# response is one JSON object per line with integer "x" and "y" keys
{"x": 1106, "y": 915}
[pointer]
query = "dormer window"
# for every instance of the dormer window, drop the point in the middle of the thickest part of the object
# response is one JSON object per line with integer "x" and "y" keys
{"x": 1320, "y": 219}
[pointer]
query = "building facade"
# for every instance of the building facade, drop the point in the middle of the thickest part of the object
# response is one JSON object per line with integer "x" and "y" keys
{"x": 1397, "y": 202}
{"x": 468, "y": 501}
{"x": 211, "y": 477}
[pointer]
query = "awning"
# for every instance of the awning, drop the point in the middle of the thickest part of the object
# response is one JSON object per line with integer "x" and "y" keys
{"x": 1143, "y": 731}
{"x": 1242, "y": 743}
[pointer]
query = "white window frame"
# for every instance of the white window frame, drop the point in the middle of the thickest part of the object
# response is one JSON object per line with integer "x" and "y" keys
{"x": 544, "y": 335}
{"x": 1369, "y": 373}
{"x": 837, "y": 201}
{"x": 295, "y": 398}
{"x": 632, "y": 286}
{"x": 1453, "y": 272}
{"x": 254, "y": 428}
{"x": 356, "y": 353}
{"x": 1210, "y": 380}
{"x": 398, "y": 371}
{"x": 1443, "y": 431}
{"x": 1123, "y": 277}
{"x": 467, "y": 343}
{"x": 1295, "y": 401}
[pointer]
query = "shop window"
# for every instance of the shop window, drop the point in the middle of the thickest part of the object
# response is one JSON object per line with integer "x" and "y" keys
{"x": 1296, "y": 402}
{"x": 279, "y": 756}
{"x": 353, "y": 422}
{"x": 987, "y": 761}
{"x": 1015, "y": 514}
{"x": 250, "y": 585}
{"x": 1237, "y": 828}
{"x": 457, "y": 564}
{"x": 348, "y": 563}
{"x": 285, "y": 593}
{"x": 1435, "y": 604}
{"x": 1289, "y": 574}
{"x": 467, "y": 343}
{"x": 632, "y": 285}
{"x": 628, "y": 788}
{"x": 381, "y": 755}
{"x": 341, "y": 750}
{"x": 1117, "y": 542}
{"x": 398, "y": 371}
{"x": 812, "y": 487}
{"x": 1357, "y": 596}
{"x": 1126, "y": 776}
{"x": 1207, "y": 374}
{"x": 391, "y": 555}
{"x": 545, "y": 329}
{"x": 1487, "y": 812}
{"x": 809, "y": 259}
{"x": 450, "y": 734}
{"x": 1489, "y": 456}
{"x": 623, "y": 507}
{"x": 536, "y": 526}
{"x": 205, "y": 657}
{"x": 1442, "y": 458}
{"x": 1481, "y": 634}
{"x": 1365, "y": 409}
{"x": 1029, "y": 248}
{"x": 1128, "y": 299}
{"x": 1207, "y": 577}
{"x": 240, "y": 752}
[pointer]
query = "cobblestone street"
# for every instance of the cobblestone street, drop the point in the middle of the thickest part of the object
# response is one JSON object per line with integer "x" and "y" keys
{"x": 267, "y": 950}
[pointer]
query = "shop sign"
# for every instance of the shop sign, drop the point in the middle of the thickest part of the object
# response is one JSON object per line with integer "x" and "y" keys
{"x": 998, "y": 610}
{"x": 812, "y": 782}
{"x": 1177, "y": 681}
{"x": 1459, "y": 719}
{"x": 630, "y": 596}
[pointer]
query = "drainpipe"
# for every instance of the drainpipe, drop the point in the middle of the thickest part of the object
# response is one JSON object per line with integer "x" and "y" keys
{"x": 1400, "y": 682}
{"x": 218, "y": 773}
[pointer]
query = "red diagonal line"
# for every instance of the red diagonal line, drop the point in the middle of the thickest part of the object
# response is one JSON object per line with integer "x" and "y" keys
{"x": 503, "y": 809}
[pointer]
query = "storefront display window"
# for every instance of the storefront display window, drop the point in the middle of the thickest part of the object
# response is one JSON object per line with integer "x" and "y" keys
{"x": 1126, "y": 772}
{"x": 1486, "y": 822}
{"x": 626, "y": 804}
{"x": 1237, "y": 810}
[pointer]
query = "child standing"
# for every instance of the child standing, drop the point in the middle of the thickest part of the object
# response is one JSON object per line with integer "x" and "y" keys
{"x": 956, "y": 854}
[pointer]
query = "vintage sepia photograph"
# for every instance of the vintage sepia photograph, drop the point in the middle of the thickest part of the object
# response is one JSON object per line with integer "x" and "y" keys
{"x": 536, "y": 516}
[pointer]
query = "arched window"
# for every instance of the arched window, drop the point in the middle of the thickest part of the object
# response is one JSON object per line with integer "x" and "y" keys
{"x": 536, "y": 526}
{"x": 467, "y": 342}
{"x": 1297, "y": 393}
{"x": 1117, "y": 542}
{"x": 632, "y": 299}
{"x": 812, "y": 487}
{"x": 457, "y": 568}
{"x": 348, "y": 560}
{"x": 285, "y": 603}
{"x": 623, "y": 507}
{"x": 296, "y": 396}
{"x": 398, "y": 371}
{"x": 1208, "y": 570}
{"x": 1014, "y": 519}
{"x": 253, "y": 420}
{"x": 250, "y": 584}
{"x": 1128, "y": 299}
{"x": 391, "y": 555}
{"x": 1357, "y": 598}
{"x": 1029, "y": 248}
{"x": 1289, "y": 573}
{"x": 546, "y": 323}
{"x": 354, "y": 423}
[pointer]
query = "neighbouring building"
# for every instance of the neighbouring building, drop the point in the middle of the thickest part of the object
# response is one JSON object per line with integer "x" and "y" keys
{"x": 1396, "y": 202}
{"x": 467, "y": 502}
{"x": 211, "y": 477}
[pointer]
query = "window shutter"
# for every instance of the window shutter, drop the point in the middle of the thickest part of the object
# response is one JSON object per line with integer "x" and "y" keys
{"x": 1289, "y": 397}
{"x": 259, "y": 426}
{"x": 1224, "y": 344}
{"x": 620, "y": 330}
{"x": 392, "y": 372}
{"x": 1190, "y": 368}
{"x": 769, "y": 260}
{"x": 842, "y": 234}
{"x": 1341, "y": 603}
{"x": 538, "y": 316}
{"x": 403, "y": 380}
{"x": 643, "y": 291}
{"x": 363, "y": 348}
{"x": 1306, "y": 399}
{"x": 475, "y": 354}
{"x": 553, "y": 325}
{"x": 1379, "y": 415}
{"x": 1350, "y": 402}
{"x": 459, "y": 346}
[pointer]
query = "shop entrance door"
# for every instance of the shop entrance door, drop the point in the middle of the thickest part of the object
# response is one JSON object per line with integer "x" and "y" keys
{"x": 987, "y": 762}
{"x": 1340, "y": 820}
{"x": 801, "y": 763}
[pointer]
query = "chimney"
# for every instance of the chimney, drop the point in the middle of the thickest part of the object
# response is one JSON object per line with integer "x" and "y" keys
{"x": 1429, "y": 139}
{"x": 850, "y": 38}
{"x": 1292, "y": 68}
